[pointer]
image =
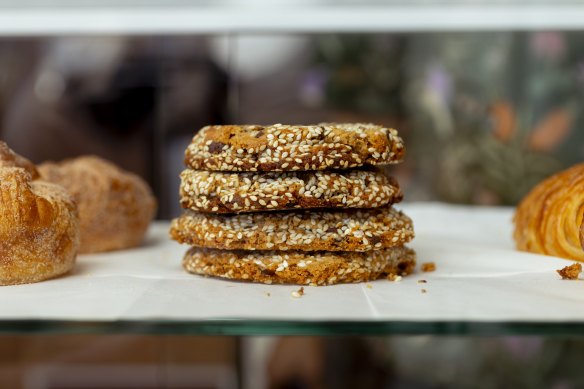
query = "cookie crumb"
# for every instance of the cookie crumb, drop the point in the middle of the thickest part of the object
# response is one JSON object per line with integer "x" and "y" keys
{"x": 428, "y": 266}
{"x": 369, "y": 286}
{"x": 298, "y": 293}
{"x": 394, "y": 277}
{"x": 268, "y": 294}
{"x": 424, "y": 291}
{"x": 422, "y": 281}
{"x": 570, "y": 272}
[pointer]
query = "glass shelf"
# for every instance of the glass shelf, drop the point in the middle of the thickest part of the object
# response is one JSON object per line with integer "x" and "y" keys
{"x": 31, "y": 18}
{"x": 481, "y": 286}
{"x": 290, "y": 328}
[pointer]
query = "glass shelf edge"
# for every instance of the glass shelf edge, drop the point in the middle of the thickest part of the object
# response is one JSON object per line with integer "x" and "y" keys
{"x": 285, "y": 328}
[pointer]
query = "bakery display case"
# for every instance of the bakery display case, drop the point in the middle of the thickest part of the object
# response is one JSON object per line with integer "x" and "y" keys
{"x": 480, "y": 286}
{"x": 485, "y": 95}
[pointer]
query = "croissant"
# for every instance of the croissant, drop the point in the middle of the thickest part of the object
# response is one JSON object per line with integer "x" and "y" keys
{"x": 115, "y": 206}
{"x": 39, "y": 232}
{"x": 550, "y": 219}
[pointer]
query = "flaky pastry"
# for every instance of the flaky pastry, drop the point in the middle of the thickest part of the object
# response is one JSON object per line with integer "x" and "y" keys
{"x": 549, "y": 220}
{"x": 115, "y": 206}
{"x": 39, "y": 233}
{"x": 9, "y": 158}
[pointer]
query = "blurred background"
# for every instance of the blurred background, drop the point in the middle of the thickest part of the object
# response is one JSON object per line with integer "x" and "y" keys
{"x": 485, "y": 115}
{"x": 488, "y": 103}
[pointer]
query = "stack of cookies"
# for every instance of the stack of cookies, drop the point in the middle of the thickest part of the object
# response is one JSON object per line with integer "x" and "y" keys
{"x": 293, "y": 204}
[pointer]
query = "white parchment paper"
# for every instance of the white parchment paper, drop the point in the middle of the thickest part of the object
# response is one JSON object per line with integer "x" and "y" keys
{"x": 479, "y": 276}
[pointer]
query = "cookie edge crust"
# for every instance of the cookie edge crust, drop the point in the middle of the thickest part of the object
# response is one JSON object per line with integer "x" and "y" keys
{"x": 186, "y": 229}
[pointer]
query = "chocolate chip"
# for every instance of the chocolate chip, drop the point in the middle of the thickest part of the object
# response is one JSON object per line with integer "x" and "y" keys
{"x": 216, "y": 147}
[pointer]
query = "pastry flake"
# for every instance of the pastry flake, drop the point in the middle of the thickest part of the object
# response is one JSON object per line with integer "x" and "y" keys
{"x": 570, "y": 272}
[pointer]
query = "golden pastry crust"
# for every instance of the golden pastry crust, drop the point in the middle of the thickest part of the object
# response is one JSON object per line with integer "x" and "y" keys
{"x": 288, "y": 148}
{"x": 39, "y": 230}
{"x": 221, "y": 192}
{"x": 347, "y": 230}
{"x": 300, "y": 267}
{"x": 9, "y": 158}
{"x": 549, "y": 220}
{"x": 570, "y": 272}
{"x": 115, "y": 206}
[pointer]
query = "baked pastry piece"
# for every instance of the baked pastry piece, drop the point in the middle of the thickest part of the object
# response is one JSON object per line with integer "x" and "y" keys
{"x": 549, "y": 220}
{"x": 9, "y": 158}
{"x": 220, "y": 192}
{"x": 288, "y": 148}
{"x": 115, "y": 206}
{"x": 39, "y": 231}
{"x": 346, "y": 230}
{"x": 300, "y": 267}
{"x": 570, "y": 272}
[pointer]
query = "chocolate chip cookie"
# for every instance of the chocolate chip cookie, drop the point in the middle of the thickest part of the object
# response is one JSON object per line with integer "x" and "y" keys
{"x": 290, "y": 148}
{"x": 222, "y": 192}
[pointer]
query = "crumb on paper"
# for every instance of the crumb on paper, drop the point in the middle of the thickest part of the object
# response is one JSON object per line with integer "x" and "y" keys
{"x": 428, "y": 266}
{"x": 394, "y": 277}
{"x": 298, "y": 293}
{"x": 570, "y": 272}
{"x": 422, "y": 281}
{"x": 424, "y": 291}
{"x": 268, "y": 294}
{"x": 369, "y": 286}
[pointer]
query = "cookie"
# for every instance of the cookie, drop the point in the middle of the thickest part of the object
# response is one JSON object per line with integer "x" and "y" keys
{"x": 347, "y": 230}
{"x": 221, "y": 192}
{"x": 288, "y": 148}
{"x": 300, "y": 267}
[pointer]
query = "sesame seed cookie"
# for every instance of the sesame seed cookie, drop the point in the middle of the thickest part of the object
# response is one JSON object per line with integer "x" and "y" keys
{"x": 300, "y": 267}
{"x": 288, "y": 148}
{"x": 346, "y": 230}
{"x": 221, "y": 192}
